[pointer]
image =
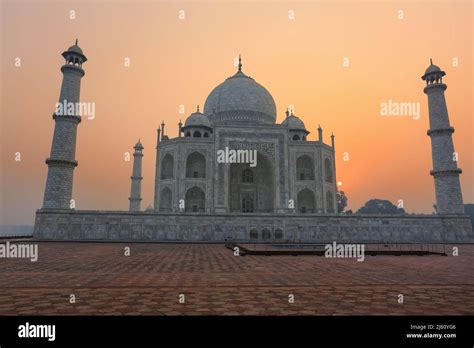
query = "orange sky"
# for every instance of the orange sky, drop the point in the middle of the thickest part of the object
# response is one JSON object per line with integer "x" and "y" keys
{"x": 177, "y": 62}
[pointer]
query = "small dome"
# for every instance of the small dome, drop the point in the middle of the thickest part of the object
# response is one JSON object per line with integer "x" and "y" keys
{"x": 138, "y": 145}
{"x": 432, "y": 69}
{"x": 74, "y": 54}
{"x": 293, "y": 122}
{"x": 75, "y": 48}
{"x": 197, "y": 119}
{"x": 432, "y": 73}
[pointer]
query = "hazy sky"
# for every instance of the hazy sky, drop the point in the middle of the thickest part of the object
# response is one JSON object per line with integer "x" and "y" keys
{"x": 177, "y": 62}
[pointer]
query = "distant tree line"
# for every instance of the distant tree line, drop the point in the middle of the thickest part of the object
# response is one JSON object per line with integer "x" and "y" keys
{"x": 380, "y": 206}
{"x": 373, "y": 206}
{"x": 383, "y": 206}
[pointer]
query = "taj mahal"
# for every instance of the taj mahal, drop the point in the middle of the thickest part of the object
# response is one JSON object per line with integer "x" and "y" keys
{"x": 284, "y": 189}
{"x": 240, "y": 115}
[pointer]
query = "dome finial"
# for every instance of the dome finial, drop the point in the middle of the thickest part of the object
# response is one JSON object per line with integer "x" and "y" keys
{"x": 198, "y": 108}
{"x": 431, "y": 61}
{"x": 240, "y": 62}
{"x": 287, "y": 112}
{"x": 77, "y": 41}
{"x": 138, "y": 145}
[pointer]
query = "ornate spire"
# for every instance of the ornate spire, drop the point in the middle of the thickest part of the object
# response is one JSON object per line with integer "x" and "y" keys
{"x": 162, "y": 129}
{"x": 138, "y": 145}
{"x": 287, "y": 112}
{"x": 158, "y": 138}
{"x": 240, "y": 63}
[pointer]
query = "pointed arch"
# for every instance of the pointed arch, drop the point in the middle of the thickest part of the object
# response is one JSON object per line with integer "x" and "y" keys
{"x": 328, "y": 170}
{"x": 329, "y": 203}
{"x": 196, "y": 165}
{"x": 167, "y": 167}
{"x": 304, "y": 168}
{"x": 306, "y": 201}
{"x": 195, "y": 200}
{"x": 166, "y": 199}
{"x": 247, "y": 175}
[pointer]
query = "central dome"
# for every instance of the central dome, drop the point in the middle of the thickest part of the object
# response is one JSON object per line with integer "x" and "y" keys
{"x": 240, "y": 99}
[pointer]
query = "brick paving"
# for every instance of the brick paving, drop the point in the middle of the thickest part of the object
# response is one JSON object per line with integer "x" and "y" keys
{"x": 215, "y": 282}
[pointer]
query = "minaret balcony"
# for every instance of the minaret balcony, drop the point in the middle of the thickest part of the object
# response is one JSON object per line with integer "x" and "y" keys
{"x": 449, "y": 130}
{"x": 434, "y": 86}
{"x": 446, "y": 172}
{"x": 73, "y": 68}
{"x": 70, "y": 118}
{"x": 61, "y": 162}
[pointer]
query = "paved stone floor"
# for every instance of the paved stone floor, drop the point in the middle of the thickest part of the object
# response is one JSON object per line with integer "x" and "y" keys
{"x": 214, "y": 282}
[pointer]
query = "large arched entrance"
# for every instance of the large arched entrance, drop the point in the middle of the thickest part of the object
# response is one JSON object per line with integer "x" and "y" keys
{"x": 252, "y": 190}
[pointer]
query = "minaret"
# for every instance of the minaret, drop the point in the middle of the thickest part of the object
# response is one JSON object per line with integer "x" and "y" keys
{"x": 445, "y": 170}
{"x": 136, "y": 178}
{"x": 61, "y": 163}
{"x": 155, "y": 199}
